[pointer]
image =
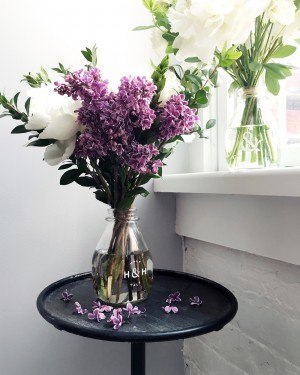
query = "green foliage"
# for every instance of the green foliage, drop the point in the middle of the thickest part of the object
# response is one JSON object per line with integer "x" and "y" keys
{"x": 139, "y": 28}
{"x": 41, "y": 142}
{"x": 210, "y": 124}
{"x": 11, "y": 107}
{"x": 228, "y": 57}
{"x": 90, "y": 55}
{"x": 37, "y": 79}
{"x": 274, "y": 73}
{"x": 70, "y": 176}
{"x": 158, "y": 77}
{"x": 283, "y": 51}
{"x": 61, "y": 70}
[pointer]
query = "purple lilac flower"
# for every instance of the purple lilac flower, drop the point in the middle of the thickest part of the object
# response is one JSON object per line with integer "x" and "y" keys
{"x": 140, "y": 158}
{"x": 177, "y": 118}
{"x": 174, "y": 297}
{"x": 66, "y": 296}
{"x": 168, "y": 309}
{"x": 79, "y": 309}
{"x": 97, "y": 314}
{"x": 83, "y": 84}
{"x": 102, "y": 308}
{"x": 195, "y": 301}
{"x": 116, "y": 319}
{"x": 113, "y": 122}
{"x": 131, "y": 310}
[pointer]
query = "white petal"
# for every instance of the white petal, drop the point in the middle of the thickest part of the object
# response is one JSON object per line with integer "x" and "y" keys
{"x": 59, "y": 151}
{"x": 38, "y": 121}
{"x": 61, "y": 127}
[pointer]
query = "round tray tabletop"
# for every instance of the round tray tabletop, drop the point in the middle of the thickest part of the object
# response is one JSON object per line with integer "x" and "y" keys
{"x": 218, "y": 308}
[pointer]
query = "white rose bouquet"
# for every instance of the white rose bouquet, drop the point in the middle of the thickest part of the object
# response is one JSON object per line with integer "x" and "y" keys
{"x": 242, "y": 37}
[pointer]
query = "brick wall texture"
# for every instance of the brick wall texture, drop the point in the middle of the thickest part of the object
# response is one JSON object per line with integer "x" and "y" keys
{"x": 264, "y": 337}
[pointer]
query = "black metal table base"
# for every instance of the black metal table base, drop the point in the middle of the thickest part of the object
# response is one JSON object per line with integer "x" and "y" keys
{"x": 138, "y": 358}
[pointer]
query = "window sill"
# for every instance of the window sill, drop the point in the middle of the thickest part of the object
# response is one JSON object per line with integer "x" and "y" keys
{"x": 283, "y": 182}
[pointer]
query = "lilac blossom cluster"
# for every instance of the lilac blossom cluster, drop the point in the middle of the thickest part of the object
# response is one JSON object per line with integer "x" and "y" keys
{"x": 114, "y": 123}
{"x": 177, "y": 118}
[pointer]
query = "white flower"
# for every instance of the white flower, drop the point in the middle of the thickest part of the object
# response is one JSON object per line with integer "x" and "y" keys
{"x": 292, "y": 31}
{"x": 171, "y": 87}
{"x": 282, "y": 12}
{"x": 204, "y": 25}
{"x": 55, "y": 115}
{"x": 59, "y": 151}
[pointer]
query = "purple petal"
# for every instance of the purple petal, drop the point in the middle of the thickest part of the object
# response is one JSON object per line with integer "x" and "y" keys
{"x": 174, "y": 309}
{"x": 167, "y": 309}
{"x": 91, "y": 316}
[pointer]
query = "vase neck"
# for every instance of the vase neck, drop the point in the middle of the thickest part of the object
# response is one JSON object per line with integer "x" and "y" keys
{"x": 250, "y": 92}
{"x": 126, "y": 215}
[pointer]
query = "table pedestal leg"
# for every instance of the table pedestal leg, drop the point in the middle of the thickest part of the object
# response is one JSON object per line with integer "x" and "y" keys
{"x": 138, "y": 358}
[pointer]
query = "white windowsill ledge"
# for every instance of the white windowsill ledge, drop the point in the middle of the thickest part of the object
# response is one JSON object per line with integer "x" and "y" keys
{"x": 283, "y": 182}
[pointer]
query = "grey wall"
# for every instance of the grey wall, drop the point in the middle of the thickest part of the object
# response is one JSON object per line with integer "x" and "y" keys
{"x": 46, "y": 231}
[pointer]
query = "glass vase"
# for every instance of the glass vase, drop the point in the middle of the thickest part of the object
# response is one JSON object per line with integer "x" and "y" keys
{"x": 122, "y": 266}
{"x": 252, "y": 136}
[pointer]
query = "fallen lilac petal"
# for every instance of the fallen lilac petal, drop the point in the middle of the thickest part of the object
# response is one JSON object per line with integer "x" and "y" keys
{"x": 195, "y": 301}
{"x": 96, "y": 315}
{"x": 116, "y": 318}
{"x": 79, "y": 309}
{"x": 169, "y": 309}
{"x": 66, "y": 296}
{"x": 174, "y": 297}
{"x": 106, "y": 308}
{"x": 97, "y": 305}
{"x": 132, "y": 310}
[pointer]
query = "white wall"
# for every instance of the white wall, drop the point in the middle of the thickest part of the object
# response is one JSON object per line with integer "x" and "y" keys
{"x": 264, "y": 337}
{"x": 46, "y": 231}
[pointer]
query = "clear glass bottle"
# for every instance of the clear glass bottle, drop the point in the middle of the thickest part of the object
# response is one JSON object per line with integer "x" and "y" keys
{"x": 252, "y": 137}
{"x": 122, "y": 266}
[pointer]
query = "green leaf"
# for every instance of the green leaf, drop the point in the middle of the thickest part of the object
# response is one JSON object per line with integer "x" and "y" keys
{"x": 148, "y": 4}
{"x": 272, "y": 83}
{"x": 65, "y": 166}
{"x": 20, "y": 129}
{"x": 87, "y": 56}
{"x": 283, "y": 51}
{"x": 27, "y": 105}
{"x": 69, "y": 176}
{"x": 85, "y": 181}
{"x": 201, "y": 97}
{"x": 210, "y": 124}
{"x": 16, "y": 99}
{"x": 143, "y": 28}
{"x": 139, "y": 191}
{"x": 169, "y": 37}
{"x": 192, "y": 60}
{"x": 297, "y": 4}
{"x": 41, "y": 142}
{"x": 254, "y": 66}
{"x": 278, "y": 71}
{"x": 101, "y": 196}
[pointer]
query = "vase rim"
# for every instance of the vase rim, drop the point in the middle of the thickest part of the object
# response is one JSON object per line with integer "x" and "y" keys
{"x": 127, "y": 214}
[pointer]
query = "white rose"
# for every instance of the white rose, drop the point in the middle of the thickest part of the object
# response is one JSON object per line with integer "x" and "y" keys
{"x": 171, "y": 87}
{"x": 204, "y": 25}
{"x": 282, "y": 12}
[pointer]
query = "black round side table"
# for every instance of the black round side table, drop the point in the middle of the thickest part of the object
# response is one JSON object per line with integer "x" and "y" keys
{"x": 218, "y": 308}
